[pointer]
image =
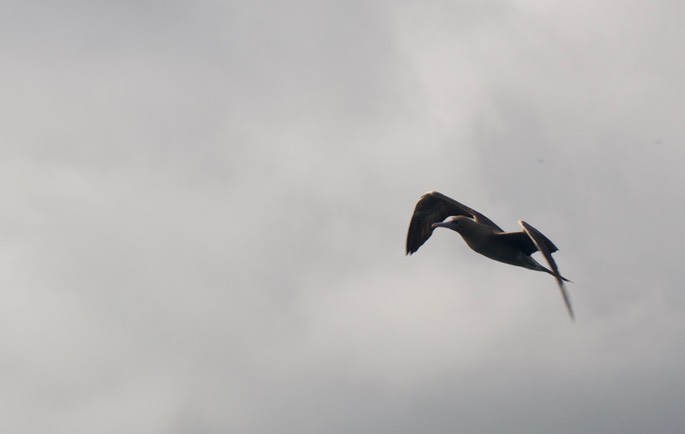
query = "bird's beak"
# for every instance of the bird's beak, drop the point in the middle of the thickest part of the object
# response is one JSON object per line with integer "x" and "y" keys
{"x": 440, "y": 225}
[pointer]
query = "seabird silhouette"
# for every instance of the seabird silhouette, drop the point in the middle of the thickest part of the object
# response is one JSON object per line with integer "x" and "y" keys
{"x": 481, "y": 234}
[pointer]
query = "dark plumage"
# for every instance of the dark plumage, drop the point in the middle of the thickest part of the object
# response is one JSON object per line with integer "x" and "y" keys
{"x": 483, "y": 236}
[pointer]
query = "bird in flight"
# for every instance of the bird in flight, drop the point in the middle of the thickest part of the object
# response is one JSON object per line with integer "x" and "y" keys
{"x": 435, "y": 210}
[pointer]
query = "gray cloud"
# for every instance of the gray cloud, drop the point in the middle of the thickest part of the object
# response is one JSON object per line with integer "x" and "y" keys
{"x": 205, "y": 209}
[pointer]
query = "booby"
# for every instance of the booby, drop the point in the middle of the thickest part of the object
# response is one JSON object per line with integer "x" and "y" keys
{"x": 435, "y": 210}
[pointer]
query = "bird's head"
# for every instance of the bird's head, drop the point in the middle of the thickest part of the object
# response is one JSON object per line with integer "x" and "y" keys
{"x": 456, "y": 223}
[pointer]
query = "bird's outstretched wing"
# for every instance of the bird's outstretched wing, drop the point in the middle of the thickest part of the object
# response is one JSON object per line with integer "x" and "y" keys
{"x": 434, "y": 207}
{"x": 546, "y": 247}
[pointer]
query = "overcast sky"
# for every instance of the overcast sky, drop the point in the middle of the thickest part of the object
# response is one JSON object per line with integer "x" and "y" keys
{"x": 205, "y": 206}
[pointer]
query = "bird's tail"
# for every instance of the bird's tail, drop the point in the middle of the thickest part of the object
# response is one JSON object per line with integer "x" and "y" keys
{"x": 535, "y": 265}
{"x": 562, "y": 277}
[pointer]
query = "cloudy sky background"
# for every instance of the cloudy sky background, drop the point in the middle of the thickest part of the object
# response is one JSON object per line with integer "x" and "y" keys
{"x": 205, "y": 206}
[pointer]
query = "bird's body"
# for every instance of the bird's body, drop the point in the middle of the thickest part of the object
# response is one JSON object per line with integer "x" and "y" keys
{"x": 494, "y": 244}
{"x": 482, "y": 235}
